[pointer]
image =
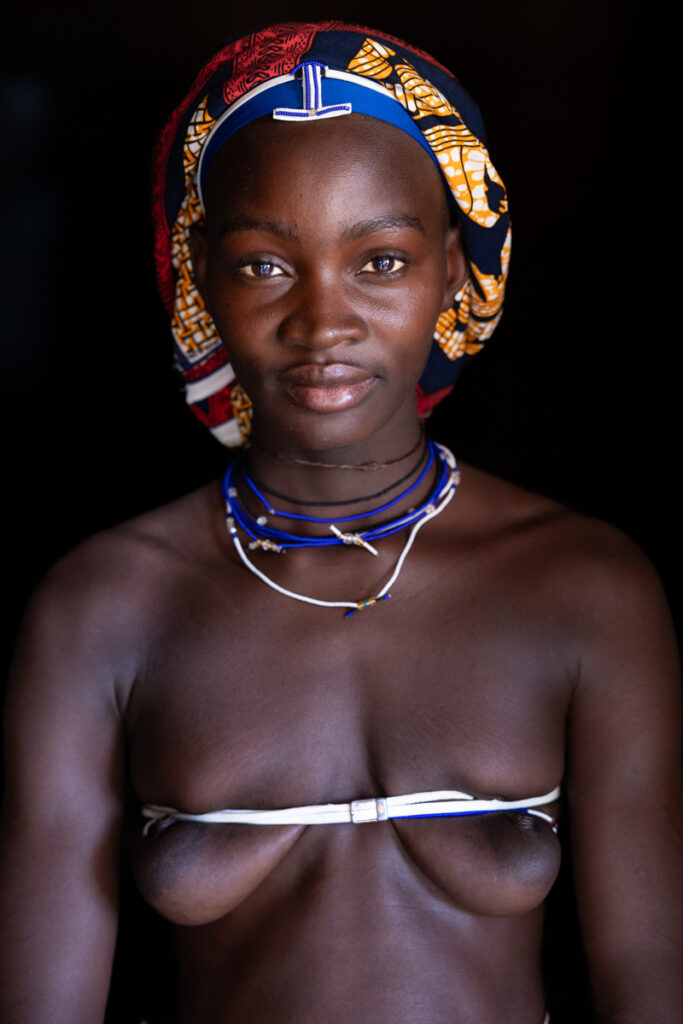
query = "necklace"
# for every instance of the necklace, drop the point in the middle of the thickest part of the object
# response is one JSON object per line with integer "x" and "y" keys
{"x": 440, "y": 496}
{"x": 270, "y": 538}
{"x": 365, "y": 467}
{"x": 337, "y": 504}
{"x": 251, "y": 483}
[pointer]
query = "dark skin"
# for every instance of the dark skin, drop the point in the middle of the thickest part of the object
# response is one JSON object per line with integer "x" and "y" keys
{"x": 522, "y": 646}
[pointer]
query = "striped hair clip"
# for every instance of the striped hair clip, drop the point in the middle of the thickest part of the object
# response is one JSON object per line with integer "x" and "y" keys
{"x": 313, "y": 108}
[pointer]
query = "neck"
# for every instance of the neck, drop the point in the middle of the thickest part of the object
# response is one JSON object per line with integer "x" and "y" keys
{"x": 323, "y": 485}
{"x": 336, "y": 475}
{"x": 272, "y": 528}
{"x": 262, "y": 539}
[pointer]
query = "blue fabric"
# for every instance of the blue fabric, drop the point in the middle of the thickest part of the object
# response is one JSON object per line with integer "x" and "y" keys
{"x": 363, "y": 100}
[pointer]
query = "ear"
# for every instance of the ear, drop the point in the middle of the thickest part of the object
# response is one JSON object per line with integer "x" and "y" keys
{"x": 457, "y": 267}
{"x": 198, "y": 253}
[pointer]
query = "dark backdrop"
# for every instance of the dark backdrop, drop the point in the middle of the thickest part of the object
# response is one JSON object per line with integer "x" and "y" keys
{"x": 576, "y": 396}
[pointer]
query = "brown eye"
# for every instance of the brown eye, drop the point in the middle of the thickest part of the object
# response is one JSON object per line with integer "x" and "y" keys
{"x": 261, "y": 270}
{"x": 384, "y": 264}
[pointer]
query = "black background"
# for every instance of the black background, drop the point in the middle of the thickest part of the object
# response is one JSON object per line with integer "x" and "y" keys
{"x": 576, "y": 396}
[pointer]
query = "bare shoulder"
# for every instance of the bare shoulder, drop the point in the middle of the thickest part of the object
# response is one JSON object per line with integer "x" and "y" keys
{"x": 143, "y": 549}
{"x": 580, "y": 569}
{"x": 98, "y": 603}
{"x": 587, "y": 552}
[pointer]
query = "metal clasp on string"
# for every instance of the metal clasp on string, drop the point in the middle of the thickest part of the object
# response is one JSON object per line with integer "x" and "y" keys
{"x": 374, "y": 809}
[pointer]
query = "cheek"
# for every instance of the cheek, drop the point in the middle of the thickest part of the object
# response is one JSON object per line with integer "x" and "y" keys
{"x": 250, "y": 370}
{"x": 242, "y": 326}
{"x": 409, "y": 325}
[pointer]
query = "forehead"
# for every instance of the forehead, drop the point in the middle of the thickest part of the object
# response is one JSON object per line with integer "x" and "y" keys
{"x": 355, "y": 158}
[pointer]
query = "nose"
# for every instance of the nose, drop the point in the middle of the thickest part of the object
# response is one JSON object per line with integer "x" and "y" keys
{"x": 320, "y": 314}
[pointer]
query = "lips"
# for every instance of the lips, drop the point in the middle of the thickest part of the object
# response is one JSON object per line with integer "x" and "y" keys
{"x": 333, "y": 387}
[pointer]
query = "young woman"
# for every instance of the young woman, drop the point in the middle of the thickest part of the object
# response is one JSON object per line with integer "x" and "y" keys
{"x": 348, "y": 686}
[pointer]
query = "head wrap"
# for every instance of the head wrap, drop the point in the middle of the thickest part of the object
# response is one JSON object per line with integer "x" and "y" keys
{"x": 300, "y": 72}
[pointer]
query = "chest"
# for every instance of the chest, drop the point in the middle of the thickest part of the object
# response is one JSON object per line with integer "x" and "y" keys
{"x": 249, "y": 699}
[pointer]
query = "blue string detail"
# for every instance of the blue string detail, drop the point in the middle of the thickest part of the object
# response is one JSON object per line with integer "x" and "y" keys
{"x": 312, "y": 109}
{"x": 261, "y": 531}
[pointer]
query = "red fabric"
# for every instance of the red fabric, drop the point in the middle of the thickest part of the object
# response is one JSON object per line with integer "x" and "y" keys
{"x": 264, "y": 55}
{"x": 214, "y": 410}
{"x": 212, "y": 362}
{"x": 425, "y": 403}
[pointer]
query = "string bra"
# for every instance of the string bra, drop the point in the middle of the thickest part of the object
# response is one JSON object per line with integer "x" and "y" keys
{"x": 442, "y": 803}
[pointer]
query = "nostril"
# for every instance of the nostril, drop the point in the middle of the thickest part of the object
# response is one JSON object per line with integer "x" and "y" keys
{"x": 315, "y": 327}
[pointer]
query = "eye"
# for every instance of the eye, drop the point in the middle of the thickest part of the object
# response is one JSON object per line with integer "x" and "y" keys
{"x": 384, "y": 264}
{"x": 260, "y": 269}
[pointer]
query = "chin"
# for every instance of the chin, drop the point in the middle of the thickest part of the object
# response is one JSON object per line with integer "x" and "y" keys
{"x": 354, "y": 428}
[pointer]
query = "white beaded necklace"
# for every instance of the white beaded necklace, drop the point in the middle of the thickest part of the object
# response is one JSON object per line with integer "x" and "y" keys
{"x": 444, "y": 497}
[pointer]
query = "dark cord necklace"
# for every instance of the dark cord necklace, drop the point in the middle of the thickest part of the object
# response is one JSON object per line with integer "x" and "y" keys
{"x": 347, "y": 501}
{"x": 364, "y": 467}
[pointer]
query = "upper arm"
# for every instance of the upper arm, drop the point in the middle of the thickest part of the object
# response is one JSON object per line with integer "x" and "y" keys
{"x": 624, "y": 787}
{"x": 62, "y": 808}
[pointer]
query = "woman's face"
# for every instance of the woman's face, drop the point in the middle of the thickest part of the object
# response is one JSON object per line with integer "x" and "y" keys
{"x": 326, "y": 260}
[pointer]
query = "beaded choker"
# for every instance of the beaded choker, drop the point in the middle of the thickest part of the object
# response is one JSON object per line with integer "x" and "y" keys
{"x": 266, "y": 537}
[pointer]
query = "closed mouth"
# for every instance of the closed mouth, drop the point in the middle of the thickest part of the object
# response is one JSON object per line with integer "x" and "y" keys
{"x": 330, "y": 387}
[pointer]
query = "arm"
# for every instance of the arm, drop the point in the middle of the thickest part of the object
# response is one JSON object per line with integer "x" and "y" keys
{"x": 626, "y": 796}
{"x": 60, "y": 826}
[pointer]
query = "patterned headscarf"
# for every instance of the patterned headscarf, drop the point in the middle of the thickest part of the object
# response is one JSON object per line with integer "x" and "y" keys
{"x": 374, "y": 73}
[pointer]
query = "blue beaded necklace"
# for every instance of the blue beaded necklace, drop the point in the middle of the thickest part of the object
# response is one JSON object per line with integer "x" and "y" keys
{"x": 268, "y": 538}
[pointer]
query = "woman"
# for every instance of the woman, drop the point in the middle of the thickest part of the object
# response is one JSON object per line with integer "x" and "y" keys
{"x": 346, "y": 690}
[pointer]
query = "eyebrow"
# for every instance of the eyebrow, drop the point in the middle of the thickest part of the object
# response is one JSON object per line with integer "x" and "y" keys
{"x": 359, "y": 230}
{"x": 271, "y": 227}
{"x": 392, "y": 220}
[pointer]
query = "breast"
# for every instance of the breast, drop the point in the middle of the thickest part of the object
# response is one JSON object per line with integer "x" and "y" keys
{"x": 193, "y": 873}
{"x": 491, "y": 864}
